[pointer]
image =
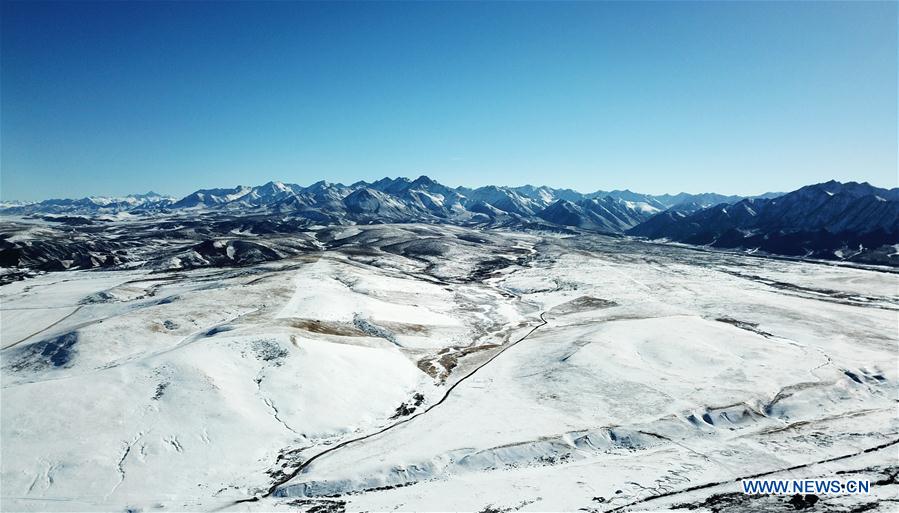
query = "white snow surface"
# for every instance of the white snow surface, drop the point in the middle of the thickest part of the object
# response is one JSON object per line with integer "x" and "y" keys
{"x": 592, "y": 374}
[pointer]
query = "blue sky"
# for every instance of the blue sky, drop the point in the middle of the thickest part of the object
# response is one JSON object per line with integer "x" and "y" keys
{"x": 731, "y": 97}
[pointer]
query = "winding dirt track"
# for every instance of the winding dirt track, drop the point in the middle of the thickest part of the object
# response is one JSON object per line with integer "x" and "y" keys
{"x": 446, "y": 395}
{"x": 38, "y": 332}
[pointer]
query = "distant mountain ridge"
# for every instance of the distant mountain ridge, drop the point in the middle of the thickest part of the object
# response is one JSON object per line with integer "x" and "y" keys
{"x": 827, "y": 220}
{"x": 89, "y": 205}
{"x": 422, "y": 195}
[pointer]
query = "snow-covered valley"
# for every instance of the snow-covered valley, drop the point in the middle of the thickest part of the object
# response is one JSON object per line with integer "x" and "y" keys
{"x": 435, "y": 368}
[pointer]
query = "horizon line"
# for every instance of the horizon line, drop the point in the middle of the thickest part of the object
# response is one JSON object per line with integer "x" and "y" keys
{"x": 402, "y": 177}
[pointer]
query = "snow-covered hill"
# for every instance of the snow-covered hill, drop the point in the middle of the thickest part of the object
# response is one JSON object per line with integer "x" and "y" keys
{"x": 422, "y": 367}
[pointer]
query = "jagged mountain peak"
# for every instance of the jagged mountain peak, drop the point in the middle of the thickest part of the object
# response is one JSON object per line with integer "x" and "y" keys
{"x": 854, "y": 189}
{"x": 423, "y": 180}
{"x": 819, "y": 219}
{"x": 148, "y": 194}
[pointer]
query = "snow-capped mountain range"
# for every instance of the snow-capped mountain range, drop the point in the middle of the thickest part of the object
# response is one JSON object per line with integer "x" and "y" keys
{"x": 89, "y": 205}
{"x": 401, "y": 199}
{"x": 827, "y": 220}
{"x": 811, "y": 221}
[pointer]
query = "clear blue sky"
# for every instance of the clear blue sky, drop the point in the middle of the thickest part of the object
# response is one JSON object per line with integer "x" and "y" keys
{"x": 659, "y": 97}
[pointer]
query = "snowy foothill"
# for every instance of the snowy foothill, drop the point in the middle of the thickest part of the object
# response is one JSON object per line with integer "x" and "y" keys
{"x": 436, "y": 368}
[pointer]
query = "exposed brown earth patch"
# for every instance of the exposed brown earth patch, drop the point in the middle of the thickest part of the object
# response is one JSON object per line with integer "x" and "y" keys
{"x": 582, "y": 304}
{"x": 442, "y": 365}
{"x": 405, "y": 328}
{"x": 326, "y": 327}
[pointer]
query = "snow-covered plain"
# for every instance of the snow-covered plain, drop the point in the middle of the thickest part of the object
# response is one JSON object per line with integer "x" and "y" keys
{"x": 436, "y": 368}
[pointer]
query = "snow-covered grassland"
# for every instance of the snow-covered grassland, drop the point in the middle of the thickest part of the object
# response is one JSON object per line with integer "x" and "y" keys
{"x": 436, "y": 368}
